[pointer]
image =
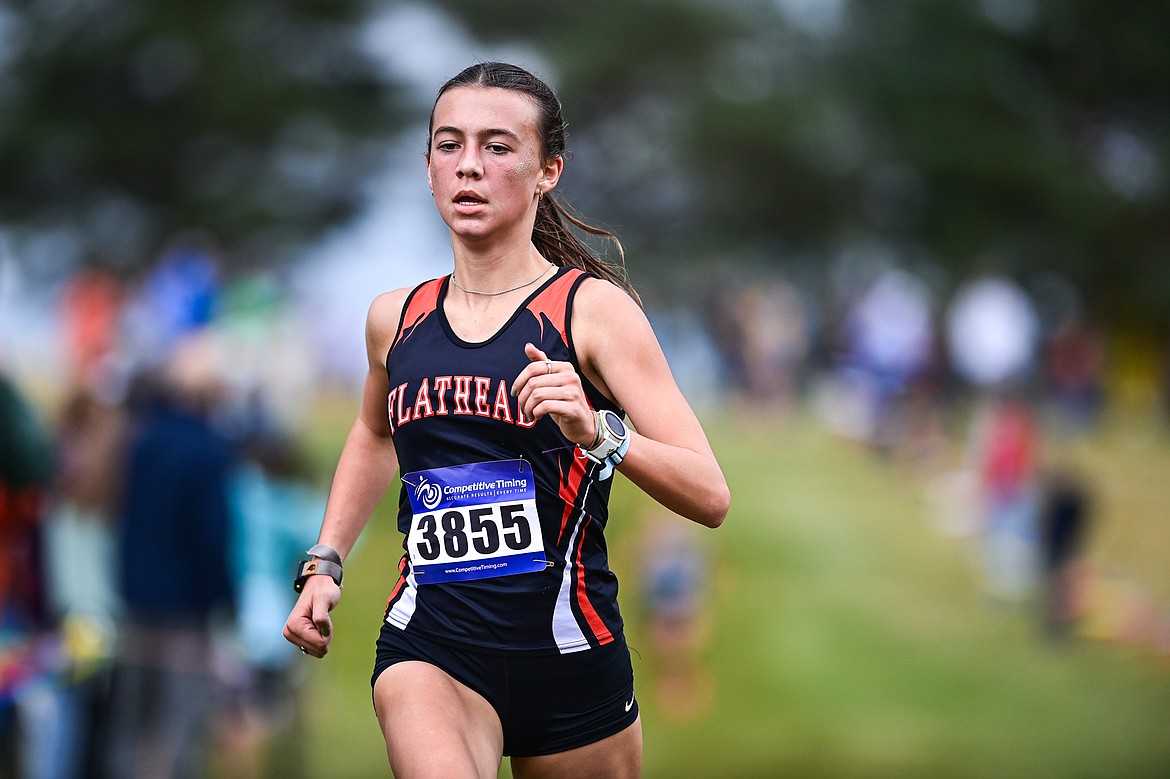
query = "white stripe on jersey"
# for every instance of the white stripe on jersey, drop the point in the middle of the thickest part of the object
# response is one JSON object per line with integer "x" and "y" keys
{"x": 566, "y": 630}
{"x": 403, "y": 608}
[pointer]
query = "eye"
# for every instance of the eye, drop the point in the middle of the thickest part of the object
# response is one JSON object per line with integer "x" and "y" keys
{"x": 497, "y": 148}
{"x": 446, "y": 146}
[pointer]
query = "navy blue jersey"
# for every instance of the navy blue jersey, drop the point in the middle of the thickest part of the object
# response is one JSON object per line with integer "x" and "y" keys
{"x": 451, "y": 414}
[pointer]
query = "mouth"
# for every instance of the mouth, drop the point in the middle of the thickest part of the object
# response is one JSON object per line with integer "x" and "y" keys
{"x": 468, "y": 199}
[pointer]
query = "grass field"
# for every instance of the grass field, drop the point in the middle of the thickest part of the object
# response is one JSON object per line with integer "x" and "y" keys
{"x": 846, "y": 636}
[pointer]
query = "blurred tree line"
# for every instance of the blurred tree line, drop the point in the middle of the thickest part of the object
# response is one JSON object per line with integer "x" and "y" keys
{"x": 124, "y": 121}
{"x": 1017, "y": 135}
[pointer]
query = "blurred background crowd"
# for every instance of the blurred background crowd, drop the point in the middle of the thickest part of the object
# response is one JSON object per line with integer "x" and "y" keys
{"x": 149, "y": 527}
{"x": 936, "y": 228}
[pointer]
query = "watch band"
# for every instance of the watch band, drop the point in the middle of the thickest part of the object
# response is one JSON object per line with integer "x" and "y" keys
{"x": 613, "y": 461}
{"x": 325, "y": 552}
{"x": 309, "y": 568}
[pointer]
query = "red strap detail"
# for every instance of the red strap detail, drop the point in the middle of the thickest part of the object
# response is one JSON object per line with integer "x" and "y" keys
{"x": 553, "y": 300}
{"x": 398, "y": 586}
{"x": 600, "y": 631}
{"x": 569, "y": 491}
{"x": 423, "y": 301}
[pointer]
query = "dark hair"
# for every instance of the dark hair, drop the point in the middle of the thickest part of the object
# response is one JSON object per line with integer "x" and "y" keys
{"x": 550, "y": 234}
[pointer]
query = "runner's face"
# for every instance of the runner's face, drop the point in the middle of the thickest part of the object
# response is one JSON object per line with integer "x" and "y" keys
{"x": 484, "y": 163}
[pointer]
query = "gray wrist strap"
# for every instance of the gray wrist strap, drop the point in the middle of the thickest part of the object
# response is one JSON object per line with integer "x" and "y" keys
{"x": 315, "y": 567}
{"x": 325, "y": 552}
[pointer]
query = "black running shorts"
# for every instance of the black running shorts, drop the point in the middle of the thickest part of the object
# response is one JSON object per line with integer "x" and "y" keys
{"x": 546, "y": 703}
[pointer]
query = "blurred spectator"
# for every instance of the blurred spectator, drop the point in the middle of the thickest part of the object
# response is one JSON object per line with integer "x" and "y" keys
{"x": 276, "y": 514}
{"x": 763, "y": 332}
{"x": 176, "y": 299}
{"x": 1074, "y": 368}
{"x": 80, "y": 568}
{"x": 1007, "y": 442}
{"x": 173, "y": 548}
{"x": 675, "y": 587}
{"x": 992, "y": 334}
{"x": 1064, "y": 525}
{"x": 90, "y": 310}
{"x": 91, "y": 450}
{"x": 25, "y": 468}
{"x": 887, "y": 343}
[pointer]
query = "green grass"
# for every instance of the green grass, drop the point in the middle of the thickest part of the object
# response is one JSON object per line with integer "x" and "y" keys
{"x": 847, "y": 637}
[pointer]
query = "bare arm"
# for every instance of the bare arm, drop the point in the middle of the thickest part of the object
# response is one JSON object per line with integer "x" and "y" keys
{"x": 669, "y": 457}
{"x": 364, "y": 472}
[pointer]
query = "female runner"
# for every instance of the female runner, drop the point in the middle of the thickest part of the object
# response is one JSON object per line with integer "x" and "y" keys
{"x": 501, "y": 392}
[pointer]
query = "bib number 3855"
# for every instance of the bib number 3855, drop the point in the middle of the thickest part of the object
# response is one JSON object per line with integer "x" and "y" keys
{"x": 473, "y": 522}
{"x": 484, "y": 530}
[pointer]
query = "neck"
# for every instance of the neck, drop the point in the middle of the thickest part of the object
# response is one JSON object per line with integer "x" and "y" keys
{"x": 493, "y": 272}
{"x": 490, "y": 257}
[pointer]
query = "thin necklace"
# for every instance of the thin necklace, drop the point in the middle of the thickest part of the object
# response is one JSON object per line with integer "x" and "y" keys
{"x": 503, "y": 291}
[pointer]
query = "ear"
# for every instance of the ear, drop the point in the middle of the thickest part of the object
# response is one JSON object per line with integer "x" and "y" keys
{"x": 551, "y": 174}
{"x": 427, "y": 160}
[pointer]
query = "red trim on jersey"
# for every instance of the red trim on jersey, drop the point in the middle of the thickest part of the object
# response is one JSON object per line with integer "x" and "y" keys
{"x": 570, "y": 489}
{"x": 424, "y": 300}
{"x": 398, "y": 586}
{"x": 553, "y": 301}
{"x": 600, "y": 631}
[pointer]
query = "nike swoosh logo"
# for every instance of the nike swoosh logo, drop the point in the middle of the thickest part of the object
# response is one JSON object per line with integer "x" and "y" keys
{"x": 630, "y": 704}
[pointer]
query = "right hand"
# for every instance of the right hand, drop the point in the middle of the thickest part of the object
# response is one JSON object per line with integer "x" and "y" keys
{"x": 309, "y": 626}
{"x": 553, "y": 388}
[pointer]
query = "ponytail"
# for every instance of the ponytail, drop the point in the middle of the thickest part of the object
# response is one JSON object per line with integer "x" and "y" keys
{"x": 560, "y": 246}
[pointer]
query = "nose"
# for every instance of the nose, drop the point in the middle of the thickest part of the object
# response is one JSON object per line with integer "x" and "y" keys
{"x": 469, "y": 164}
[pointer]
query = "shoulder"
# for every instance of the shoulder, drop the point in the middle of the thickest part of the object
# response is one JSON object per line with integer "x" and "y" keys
{"x": 598, "y": 294}
{"x": 386, "y": 308}
{"x": 382, "y": 319}
{"x": 601, "y": 307}
{"x": 610, "y": 331}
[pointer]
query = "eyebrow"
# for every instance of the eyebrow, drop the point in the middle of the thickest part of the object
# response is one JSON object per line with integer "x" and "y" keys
{"x": 482, "y": 134}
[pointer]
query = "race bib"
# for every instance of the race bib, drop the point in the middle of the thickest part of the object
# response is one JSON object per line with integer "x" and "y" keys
{"x": 473, "y": 522}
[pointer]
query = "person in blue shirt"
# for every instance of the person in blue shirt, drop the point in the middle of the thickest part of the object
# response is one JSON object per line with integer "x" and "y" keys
{"x": 173, "y": 540}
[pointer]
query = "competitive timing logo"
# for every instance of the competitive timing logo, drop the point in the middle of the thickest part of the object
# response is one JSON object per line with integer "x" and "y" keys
{"x": 428, "y": 494}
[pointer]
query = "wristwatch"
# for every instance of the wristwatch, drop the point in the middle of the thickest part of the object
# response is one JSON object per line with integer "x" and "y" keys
{"x": 613, "y": 444}
{"x": 309, "y": 568}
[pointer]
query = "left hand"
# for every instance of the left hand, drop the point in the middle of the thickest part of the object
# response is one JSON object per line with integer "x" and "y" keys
{"x": 552, "y": 388}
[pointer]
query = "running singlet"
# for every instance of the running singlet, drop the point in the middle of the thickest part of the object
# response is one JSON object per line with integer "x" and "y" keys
{"x": 503, "y": 519}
